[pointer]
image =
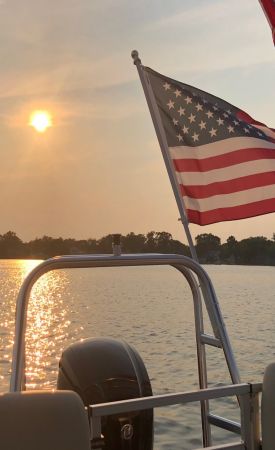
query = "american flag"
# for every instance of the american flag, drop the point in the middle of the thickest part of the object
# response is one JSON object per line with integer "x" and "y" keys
{"x": 223, "y": 159}
{"x": 269, "y": 10}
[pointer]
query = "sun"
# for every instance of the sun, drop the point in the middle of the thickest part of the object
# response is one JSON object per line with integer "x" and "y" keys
{"x": 40, "y": 121}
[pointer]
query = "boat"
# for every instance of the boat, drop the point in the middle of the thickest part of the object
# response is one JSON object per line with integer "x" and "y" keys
{"x": 110, "y": 406}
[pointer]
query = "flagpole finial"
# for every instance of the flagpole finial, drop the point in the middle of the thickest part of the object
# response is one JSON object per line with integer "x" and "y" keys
{"x": 135, "y": 56}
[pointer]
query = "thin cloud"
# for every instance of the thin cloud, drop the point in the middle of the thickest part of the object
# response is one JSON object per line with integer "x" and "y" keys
{"x": 227, "y": 34}
{"x": 71, "y": 75}
{"x": 207, "y": 13}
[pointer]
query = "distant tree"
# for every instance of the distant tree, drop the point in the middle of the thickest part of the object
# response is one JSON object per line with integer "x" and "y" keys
{"x": 104, "y": 245}
{"x": 180, "y": 248}
{"x": 164, "y": 242}
{"x": 229, "y": 250}
{"x": 231, "y": 242}
{"x": 91, "y": 246}
{"x": 151, "y": 242}
{"x": 133, "y": 243}
{"x": 271, "y": 252}
{"x": 158, "y": 242}
{"x": 254, "y": 251}
{"x": 11, "y": 246}
{"x": 208, "y": 247}
{"x": 47, "y": 247}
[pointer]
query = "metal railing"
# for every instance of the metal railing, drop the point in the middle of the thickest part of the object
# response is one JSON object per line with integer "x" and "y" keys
{"x": 249, "y": 402}
{"x": 199, "y": 283}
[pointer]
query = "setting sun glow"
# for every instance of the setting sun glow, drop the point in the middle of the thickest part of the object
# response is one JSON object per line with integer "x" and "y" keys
{"x": 40, "y": 120}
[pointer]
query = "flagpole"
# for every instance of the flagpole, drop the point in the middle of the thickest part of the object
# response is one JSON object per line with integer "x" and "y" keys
{"x": 153, "y": 108}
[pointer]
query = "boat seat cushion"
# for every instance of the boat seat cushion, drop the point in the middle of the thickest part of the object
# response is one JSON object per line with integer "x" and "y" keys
{"x": 268, "y": 408}
{"x": 41, "y": 420}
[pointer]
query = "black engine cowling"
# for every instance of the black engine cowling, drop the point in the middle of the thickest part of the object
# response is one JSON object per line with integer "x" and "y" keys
{"x": 106, "y": 370}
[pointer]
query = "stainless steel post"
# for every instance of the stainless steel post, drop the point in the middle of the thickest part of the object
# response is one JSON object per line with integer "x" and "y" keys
{"x": 250, "y": 426}
{"x": 153, "y": 108}
{"x": 83, "y": 261}
{"x": 201, "y": 354}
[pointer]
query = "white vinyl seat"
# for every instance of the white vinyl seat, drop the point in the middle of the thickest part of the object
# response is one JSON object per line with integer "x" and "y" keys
{"x": 268, "y": 408}
{"x": 41, "y": 420}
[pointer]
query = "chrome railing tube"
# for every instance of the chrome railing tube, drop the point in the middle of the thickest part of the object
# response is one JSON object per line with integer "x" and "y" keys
{"x": 184, "y": 264}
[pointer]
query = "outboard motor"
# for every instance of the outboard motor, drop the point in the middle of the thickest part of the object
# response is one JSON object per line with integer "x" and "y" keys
{"x": 106, "y": 370}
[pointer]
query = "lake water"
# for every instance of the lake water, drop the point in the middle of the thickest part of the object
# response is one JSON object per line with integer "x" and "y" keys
{"x": 151, "y": 308}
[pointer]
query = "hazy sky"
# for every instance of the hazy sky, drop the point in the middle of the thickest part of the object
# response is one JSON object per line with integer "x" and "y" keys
{"x": 99, "y": 170}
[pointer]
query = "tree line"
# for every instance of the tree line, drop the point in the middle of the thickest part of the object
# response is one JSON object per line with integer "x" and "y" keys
{"x": 257, "y": 250}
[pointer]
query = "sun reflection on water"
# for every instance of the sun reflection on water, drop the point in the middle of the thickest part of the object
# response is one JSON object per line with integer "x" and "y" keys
{"x": 47, "y": 322}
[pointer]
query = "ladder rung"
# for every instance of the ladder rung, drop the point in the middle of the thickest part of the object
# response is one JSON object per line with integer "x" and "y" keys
{"x": 210, "y": 340}
{"x": 226, "y": 424}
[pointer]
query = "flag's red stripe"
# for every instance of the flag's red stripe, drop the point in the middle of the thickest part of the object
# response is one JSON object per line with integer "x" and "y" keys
{"x": 248, "y": 119}
{"x": 232, "y": 213}
{"x": 269, "y": 8}
{"x": 221, "y": 161}
{"x": 229, "y": 186}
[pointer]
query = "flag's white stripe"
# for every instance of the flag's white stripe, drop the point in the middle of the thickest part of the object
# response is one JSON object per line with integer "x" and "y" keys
{"x": 218, "y": 148}
{"x": 230, "y": 200}
{"x": 227, "y": 173}
{"x": 266, "y": 130}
